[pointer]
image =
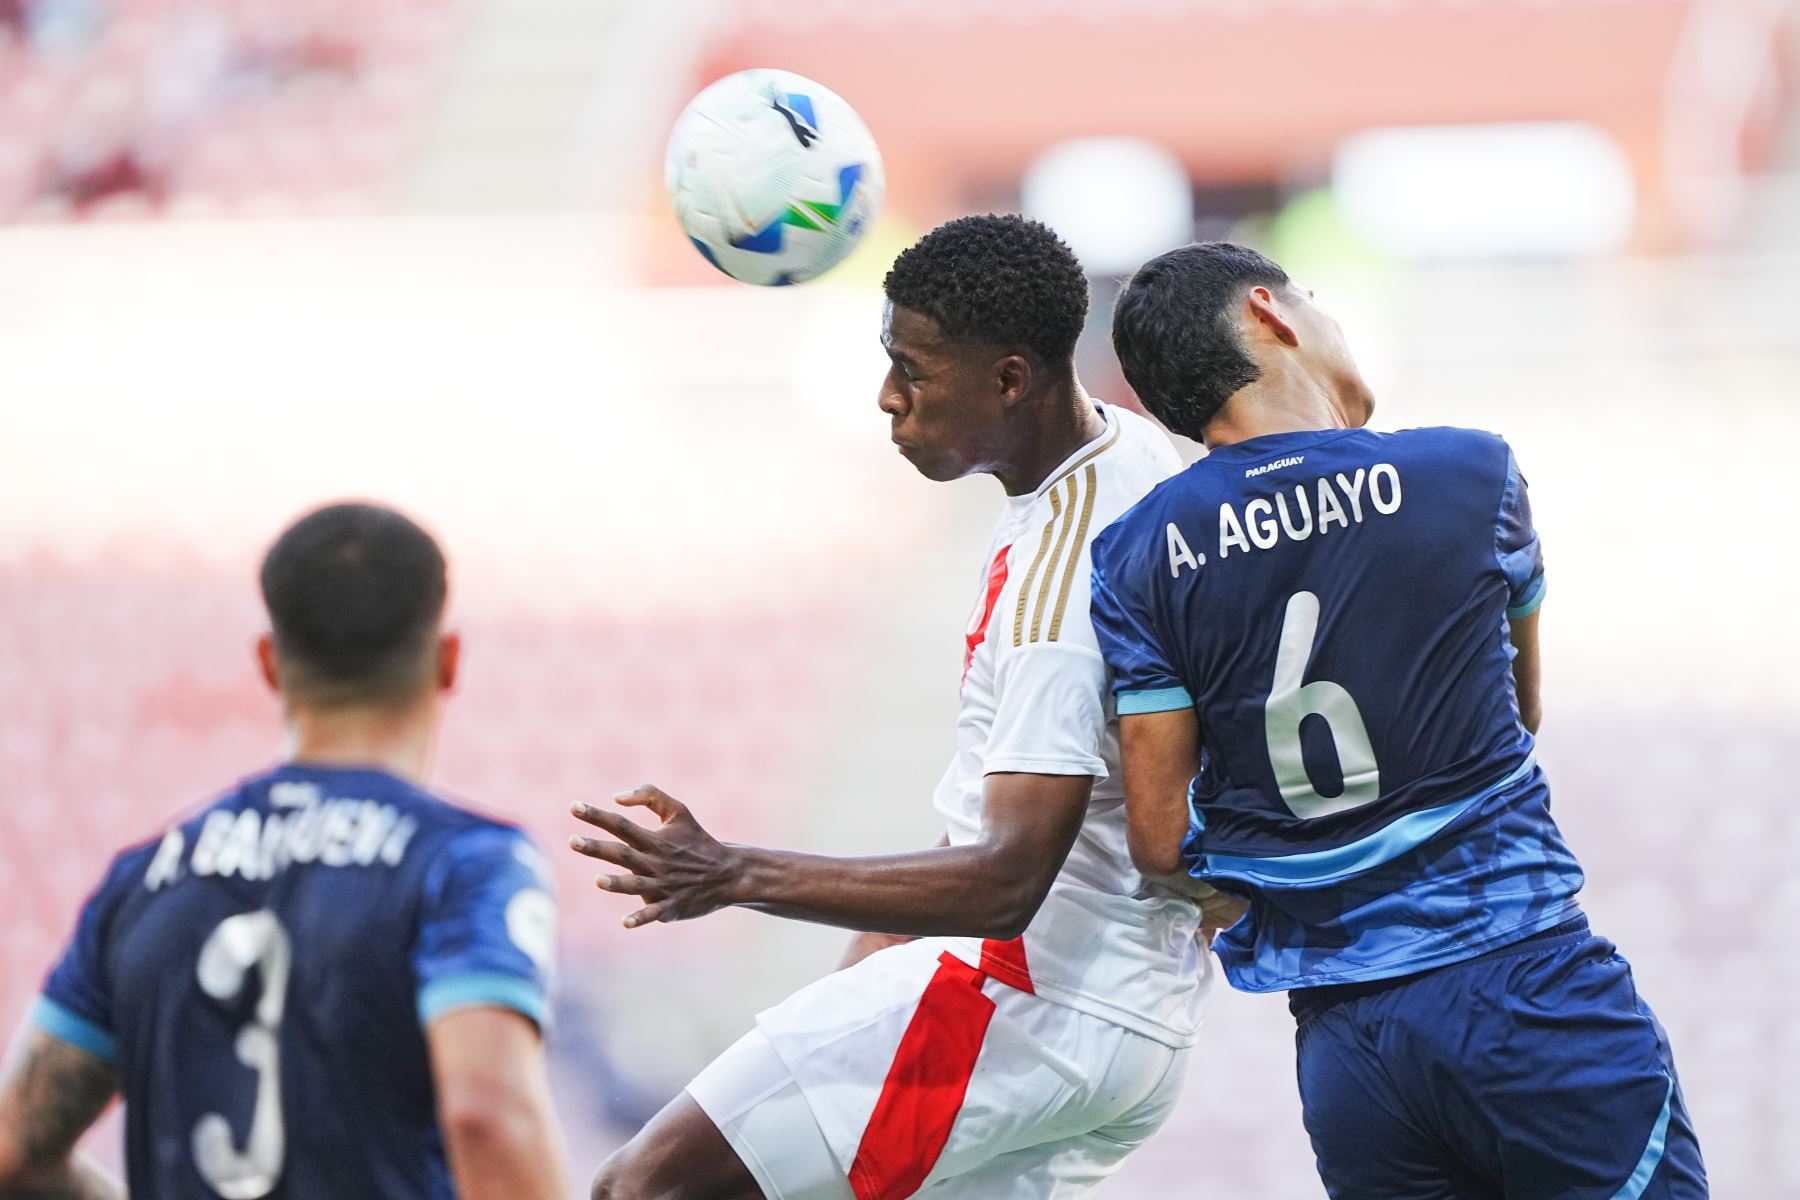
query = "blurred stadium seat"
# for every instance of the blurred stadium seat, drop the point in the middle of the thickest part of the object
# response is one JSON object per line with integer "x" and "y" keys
{"x": 256, "y": 107}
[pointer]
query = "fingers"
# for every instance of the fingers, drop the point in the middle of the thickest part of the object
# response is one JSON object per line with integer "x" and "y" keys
{"x": 623, "y": 828}
{"x": 613, "y": 852}
{"x": 665, "y": 806}
{"x": 629, "y": 885}
{"x": 649, "y": 915}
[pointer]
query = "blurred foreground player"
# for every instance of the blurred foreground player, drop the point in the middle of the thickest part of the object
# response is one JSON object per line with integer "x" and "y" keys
{"x": 1039, "y": 1029}
{"x": 1324, "y": 641}
{"x": 328, "y": 982}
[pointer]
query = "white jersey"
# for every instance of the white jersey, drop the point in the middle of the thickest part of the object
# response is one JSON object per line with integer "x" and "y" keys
{"x": 962, "y": 1069}
{"x": 1036, "y": 699}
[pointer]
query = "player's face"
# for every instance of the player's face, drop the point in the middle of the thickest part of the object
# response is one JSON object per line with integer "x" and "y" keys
{"x": 1328, "y": 354}
{"x": 941, "y": 396}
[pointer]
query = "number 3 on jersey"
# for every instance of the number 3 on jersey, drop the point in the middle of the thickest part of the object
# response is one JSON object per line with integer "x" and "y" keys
{"x": 1291, "y": 702}
{"x": 238, "y": 944}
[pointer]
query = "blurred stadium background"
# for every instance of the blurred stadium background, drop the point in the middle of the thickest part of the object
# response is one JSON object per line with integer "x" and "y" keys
{"x": 257, "y": 254}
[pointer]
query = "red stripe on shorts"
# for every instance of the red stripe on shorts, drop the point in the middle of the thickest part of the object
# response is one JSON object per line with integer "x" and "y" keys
{"x": 1005, "y": 961}
{"x": 925, "y": 1087}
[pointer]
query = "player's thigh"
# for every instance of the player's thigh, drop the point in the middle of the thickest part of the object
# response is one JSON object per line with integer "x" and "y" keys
{"x": 1579, "y": 1083}
{"x": 1056, "y": 1171}
{"x": 1074, "y": 1165}
{"x": 680, "y": 1154}
{"x": 1059, "y": 1099}
{"x": 1369, "y": 1143}
{"x": 757, "y": 1110}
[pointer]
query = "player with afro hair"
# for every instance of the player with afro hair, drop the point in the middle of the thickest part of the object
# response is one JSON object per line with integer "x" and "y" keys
{"x": 1029, "y": 910}
{"x": 982, "y": 318}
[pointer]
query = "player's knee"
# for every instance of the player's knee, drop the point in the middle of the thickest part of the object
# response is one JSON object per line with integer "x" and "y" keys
{"x": 624, "y": 1176}
{"x": 609, "y": 1183}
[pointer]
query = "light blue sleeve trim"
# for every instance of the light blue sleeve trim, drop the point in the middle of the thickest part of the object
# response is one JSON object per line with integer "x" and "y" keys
{"x": 479, "y": 989}
{"x": 1319, "y": 867}
{"x": 1653, "y": 1152}
{"x": 1154, "y": 701}
{"x": 1534, "y": 597}
{"x": 79, "y": 1032}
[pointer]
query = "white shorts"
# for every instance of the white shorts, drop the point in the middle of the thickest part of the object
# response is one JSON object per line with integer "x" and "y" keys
{"x": 911, "y": 1075}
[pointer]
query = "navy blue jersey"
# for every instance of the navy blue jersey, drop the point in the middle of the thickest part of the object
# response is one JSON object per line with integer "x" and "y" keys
{"x": 262, "y": 976}
{"x": 1333, "y": 606}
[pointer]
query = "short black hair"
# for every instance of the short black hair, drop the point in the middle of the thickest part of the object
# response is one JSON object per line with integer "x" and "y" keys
{"x": 999, "y": 278}
{"x": 355, "y": 593}
{"x": 1175, "y": 330}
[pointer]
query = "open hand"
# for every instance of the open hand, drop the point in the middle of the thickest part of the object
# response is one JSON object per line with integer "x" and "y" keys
{"x": 678, "y": 869}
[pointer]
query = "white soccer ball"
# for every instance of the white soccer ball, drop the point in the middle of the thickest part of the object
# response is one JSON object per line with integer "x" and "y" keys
{"x": 774, "y": 178}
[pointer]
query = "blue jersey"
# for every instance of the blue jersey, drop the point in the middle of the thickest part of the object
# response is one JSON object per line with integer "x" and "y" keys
{"x": 262, "y": 976}
{"x": 1333, "y": 606}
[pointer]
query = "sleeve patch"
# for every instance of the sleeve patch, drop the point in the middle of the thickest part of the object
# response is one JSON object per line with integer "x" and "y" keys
{"x": 531, "y": 924}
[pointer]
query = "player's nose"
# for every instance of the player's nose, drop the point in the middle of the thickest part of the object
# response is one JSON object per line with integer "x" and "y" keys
{"x": 890, "y": 401}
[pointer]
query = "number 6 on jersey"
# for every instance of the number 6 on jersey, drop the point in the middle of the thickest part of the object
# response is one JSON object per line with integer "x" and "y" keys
{"x": 1291, "y": 702}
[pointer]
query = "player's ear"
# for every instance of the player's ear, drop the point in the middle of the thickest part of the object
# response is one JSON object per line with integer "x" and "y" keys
{"x": 265, "y": 661}
{"x": 1012, "y": 375}
{"x": 448, "y": 660}
{"x": 1262, "y": 310}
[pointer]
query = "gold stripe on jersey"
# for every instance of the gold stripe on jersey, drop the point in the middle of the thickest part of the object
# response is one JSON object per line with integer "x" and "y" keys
{"x": 1089, "y": 478}
{"x": 1036, "y": 561}
{"x": 1062, "y": 538}
{"x": 1106, "y": 444}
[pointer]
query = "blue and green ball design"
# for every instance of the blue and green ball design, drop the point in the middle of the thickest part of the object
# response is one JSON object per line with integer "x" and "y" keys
{"x": 762, "y": 136}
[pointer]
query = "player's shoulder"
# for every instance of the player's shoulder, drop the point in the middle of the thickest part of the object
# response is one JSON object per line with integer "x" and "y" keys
{"x": 469, "y": 833}
{"x": 1144, "y": 457}
{"x": 1452, "y": 440}
{"x": 1045, "y": 602}
{"x": 1104, "y": 478}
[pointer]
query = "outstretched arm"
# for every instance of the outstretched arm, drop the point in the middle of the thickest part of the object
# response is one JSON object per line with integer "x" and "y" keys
{"x": 50, "y": 1095}
{"x": 990, "y": 888}
{"x": 865, "y": 944}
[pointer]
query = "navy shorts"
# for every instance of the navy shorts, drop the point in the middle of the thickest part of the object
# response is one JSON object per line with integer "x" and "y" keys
{"x": 1529, "y": 1073}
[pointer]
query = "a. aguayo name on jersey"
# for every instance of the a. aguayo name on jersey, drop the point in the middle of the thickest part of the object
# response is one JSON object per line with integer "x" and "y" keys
{"x": 1293, "y": 514}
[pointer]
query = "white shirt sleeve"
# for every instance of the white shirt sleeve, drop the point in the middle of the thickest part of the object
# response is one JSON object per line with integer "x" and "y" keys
{"x": 1050, "y": 715}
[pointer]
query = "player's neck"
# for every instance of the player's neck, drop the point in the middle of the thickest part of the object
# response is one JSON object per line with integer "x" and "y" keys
{"x": 1065, "y": 421}
{"x": 1283, "y": 400}
{"x": 395, "y": 741}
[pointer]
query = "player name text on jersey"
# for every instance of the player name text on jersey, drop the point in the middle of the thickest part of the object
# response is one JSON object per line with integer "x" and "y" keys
{"x": 256, "y": 846}
{"x": 1294, "y": 515}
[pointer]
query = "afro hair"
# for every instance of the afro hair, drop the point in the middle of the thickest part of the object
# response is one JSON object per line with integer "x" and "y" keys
{"x": 1002, "y": 279}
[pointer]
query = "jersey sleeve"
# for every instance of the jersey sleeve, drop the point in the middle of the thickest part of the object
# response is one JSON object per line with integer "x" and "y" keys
{"x": 1516, "y": 544}
{"x": 76, "y": 1003}
{"x": 1143, "y": 679}
{"x": 1050, "y": 715}
{"x": 488, "y": 934}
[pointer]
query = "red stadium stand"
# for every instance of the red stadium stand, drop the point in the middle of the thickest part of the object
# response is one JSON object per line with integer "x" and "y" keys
{"x": 253, "y": 107}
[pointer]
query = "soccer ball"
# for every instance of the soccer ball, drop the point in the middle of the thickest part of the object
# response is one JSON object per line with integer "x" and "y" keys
{"x": 774, "y": 178}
